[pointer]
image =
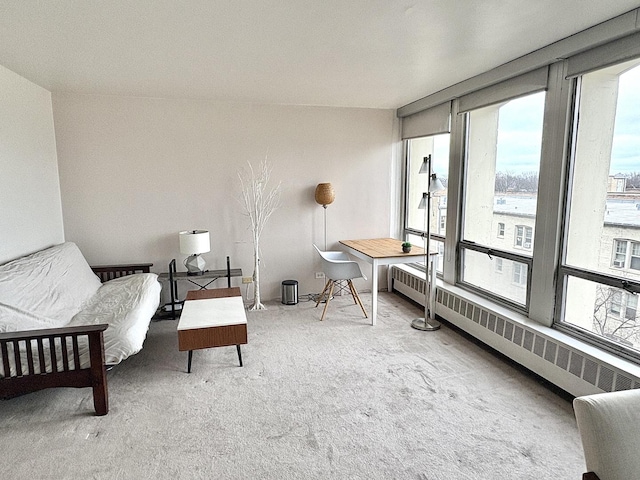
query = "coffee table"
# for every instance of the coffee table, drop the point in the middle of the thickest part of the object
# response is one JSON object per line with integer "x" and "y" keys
{"x": 212, "y": 318}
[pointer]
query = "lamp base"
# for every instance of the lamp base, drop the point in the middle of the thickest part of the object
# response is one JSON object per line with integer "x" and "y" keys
{"x": 195, "y": 265}
{"x": 426, "y": 325}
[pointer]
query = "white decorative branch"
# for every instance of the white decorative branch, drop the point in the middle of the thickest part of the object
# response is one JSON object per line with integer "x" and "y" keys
{"x": 259, "y": 204}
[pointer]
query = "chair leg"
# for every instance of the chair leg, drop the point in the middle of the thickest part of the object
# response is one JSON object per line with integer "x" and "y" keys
{"x": 354, "y": 292}
{"x": 328, "y": 298}
{"x": 321, "y": 296}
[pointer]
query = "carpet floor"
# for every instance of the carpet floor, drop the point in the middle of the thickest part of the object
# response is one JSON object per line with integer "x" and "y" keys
{"x": 338, "y": 399}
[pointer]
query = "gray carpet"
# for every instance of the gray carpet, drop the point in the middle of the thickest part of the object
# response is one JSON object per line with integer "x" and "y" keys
{"x": 337, "y": 399}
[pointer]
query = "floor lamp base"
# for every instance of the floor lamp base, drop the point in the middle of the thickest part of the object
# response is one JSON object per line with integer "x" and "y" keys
{"x": 426, "y": 325}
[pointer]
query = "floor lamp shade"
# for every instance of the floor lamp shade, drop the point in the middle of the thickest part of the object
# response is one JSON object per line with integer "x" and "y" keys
{"x": 325, "y": 194}
{"x": 193, "y": 243}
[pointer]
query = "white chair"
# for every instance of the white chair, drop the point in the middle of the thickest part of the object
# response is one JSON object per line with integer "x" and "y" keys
{"x": 609, "y": 425}
{"x": 337, "y": 267}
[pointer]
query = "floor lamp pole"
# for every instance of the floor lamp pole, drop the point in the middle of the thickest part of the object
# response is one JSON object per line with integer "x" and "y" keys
{"x": 325, "y": 227}
{"x": 428, "y": 323}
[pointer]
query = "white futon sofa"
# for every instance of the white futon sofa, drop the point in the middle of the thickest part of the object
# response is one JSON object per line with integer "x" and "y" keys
{"x": 60, "y": 325}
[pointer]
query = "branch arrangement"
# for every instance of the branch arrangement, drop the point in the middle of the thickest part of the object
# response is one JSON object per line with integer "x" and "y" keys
{"x": 259, "y": 203}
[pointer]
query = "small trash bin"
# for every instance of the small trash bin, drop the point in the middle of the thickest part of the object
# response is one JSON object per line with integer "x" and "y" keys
{"x": 290, "y": 292}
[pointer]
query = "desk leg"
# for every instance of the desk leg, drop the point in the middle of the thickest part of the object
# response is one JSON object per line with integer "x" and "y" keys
{"x": 374, "y": 292}
{"x": 239, "y": 354}
{"x": 189, "y": 361}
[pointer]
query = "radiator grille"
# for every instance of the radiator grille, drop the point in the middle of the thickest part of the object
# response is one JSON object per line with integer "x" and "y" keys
{"x": 602, "y": 376}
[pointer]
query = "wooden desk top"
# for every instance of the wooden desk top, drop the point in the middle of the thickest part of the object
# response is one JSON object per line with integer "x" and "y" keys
{"x": 383, "y": 248}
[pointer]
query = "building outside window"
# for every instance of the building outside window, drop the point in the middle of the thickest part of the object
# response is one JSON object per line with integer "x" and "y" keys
{"x": 524, "y": 236}
{"x": 502, "y": 165}
{"x": 600, "y": 272}
{"x": 519, "y": 274}
{"x": 442, "y": 224}
{"x": 626, "y": 254}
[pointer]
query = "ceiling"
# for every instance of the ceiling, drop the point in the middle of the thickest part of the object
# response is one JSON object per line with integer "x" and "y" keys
{"x": 351, "y": 53}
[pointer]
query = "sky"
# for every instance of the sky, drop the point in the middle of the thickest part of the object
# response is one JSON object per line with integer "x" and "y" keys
{"x": 520, "y": 130}
{"x": 625, "y": 155}
{"x": 520, "y": 133}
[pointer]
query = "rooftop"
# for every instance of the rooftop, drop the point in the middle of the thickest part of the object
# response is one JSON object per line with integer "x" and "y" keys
{"x": 620, "y": 210}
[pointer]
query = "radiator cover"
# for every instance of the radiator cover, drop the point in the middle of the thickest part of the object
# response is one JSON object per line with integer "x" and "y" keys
{"x": 558, "y": 362}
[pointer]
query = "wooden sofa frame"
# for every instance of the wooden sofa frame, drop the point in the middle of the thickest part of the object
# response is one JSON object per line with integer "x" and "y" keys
{"x": 94, "y": 376}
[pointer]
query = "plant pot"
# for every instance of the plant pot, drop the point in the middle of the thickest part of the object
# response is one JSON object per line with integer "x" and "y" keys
{"x": 406, "y": 249}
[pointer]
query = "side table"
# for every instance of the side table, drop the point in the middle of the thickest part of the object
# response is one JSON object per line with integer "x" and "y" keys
{"x": 201, "y": 281}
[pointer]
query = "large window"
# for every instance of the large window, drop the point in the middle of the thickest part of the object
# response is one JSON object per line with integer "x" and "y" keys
{"x": 437, "y": 148}
{"x": 500, "y": 195}
{"x": 542, "y": 209}
{"x": 601, "y": 267}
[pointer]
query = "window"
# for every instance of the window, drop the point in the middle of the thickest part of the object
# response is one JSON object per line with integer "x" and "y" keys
{"x": 519, "y": 274}
{"x": 502, "y": 162}
{"x": 622, "y": 304}
{"x": 437, "y": 146}
{"x": 626, "y": 254}
{"x": 601, "y": 265}
{"x": 524, "y": 236}
{"x": 498, "y": 265}
{"x": 443, "y": 222}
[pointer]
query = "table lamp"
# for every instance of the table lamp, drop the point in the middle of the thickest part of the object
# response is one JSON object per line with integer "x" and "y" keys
{"x": 193, "y": 243}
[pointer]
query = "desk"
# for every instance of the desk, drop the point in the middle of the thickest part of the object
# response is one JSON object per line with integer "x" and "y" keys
{"x": 201, "y": 281}
{"x": 383, "y": 251}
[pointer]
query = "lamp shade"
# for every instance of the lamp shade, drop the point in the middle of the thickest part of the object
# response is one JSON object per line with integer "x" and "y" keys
{"x": 435, "y": 184}
{"x": 426, "y": 164}
{"x": 423, "y": 202}
{"x": 325, "y": 195}
{"x": 193, "y": 242}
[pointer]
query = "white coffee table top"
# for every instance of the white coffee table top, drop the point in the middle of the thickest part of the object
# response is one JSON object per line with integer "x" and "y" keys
{"x": 212, "y": 312}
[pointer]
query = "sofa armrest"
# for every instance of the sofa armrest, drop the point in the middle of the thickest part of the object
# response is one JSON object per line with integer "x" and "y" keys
{"x": 109, "y": 272}
{"x": 51, "y": 332}
{"x": 70, "y": 374}
{"x": 608, "y": 426}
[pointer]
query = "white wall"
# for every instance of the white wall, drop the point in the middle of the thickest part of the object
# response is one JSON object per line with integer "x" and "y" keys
{"x": 30, "y": 209}
{"x": 135, "y": 171}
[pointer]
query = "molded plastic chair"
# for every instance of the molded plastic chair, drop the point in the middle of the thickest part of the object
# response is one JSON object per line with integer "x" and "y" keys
{"x": 608, "y": 425}
{"x": 337, "y": 267}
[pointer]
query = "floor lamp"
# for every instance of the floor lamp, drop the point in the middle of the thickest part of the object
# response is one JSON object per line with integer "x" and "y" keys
{"x": 428, "y": 323}
{"x": 325, "y": 195}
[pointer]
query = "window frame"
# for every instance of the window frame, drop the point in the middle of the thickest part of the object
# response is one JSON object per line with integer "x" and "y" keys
{"x": 565, "y": 271}
{"x": 463, "y": 244}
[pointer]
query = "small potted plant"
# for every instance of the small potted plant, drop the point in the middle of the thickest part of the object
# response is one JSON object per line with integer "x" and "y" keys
{"x": 406, "y": 247}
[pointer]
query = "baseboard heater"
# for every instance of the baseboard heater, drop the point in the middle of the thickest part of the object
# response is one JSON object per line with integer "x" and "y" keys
{"x": 571, "y": 369}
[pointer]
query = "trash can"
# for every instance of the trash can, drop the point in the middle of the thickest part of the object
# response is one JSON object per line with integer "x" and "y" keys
{"x": 290, "y": 292}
